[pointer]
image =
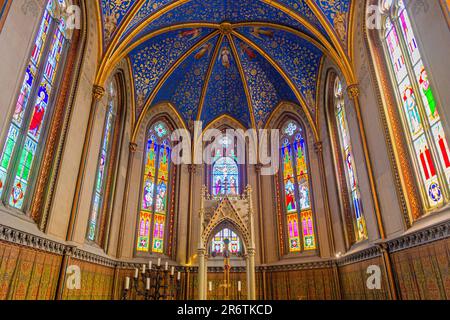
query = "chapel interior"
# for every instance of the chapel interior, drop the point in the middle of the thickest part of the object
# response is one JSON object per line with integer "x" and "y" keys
{"x": 348, "y": 100}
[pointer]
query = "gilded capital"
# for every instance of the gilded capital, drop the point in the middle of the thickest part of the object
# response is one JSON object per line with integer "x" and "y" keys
{"x": 318, "y": 147}
{"x": 353, "y": 91}
{"x": 133, "y": 147}
{"x": 98, "y": 92}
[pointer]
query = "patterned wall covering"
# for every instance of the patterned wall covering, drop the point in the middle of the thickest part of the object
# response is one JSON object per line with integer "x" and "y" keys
{"x": 184, "y": 87}
{"x": 27, "y": 274}
{"x": 423, "y": 273}
{"x": 153, "y": 58}
{"x": 225, "y": 94}
{"x": 353, "y": 279}
{"x": 299, "y": 58}
{"x": 267, "y": 87}
{"x": 97, "y": 282}
{"x": 314, "y": 284}
{"x": 113, "y": 13}
{"x": 218, "y": 11}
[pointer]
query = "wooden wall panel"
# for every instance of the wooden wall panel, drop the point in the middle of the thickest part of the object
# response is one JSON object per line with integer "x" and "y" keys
{"x": 353, "y": 281}
{"x": 423, "y": 272}
{"x": 27, "y": 274}
{"x": 97, "y": 282}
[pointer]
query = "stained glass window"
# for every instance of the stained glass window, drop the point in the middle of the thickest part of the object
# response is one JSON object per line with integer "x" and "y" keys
{"x": 103, "y": 163}
{"x": 349, "y": 163}
{"x": 225, "y": 169}
{"x": 218, "y": 242}
{"x": 418, "y": 106}
{"x": 297, "y": 190}
{"x": 155, "y": 191}
{"x": 31, "y": 113}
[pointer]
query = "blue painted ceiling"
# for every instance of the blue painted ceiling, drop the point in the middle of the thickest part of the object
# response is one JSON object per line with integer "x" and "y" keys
{"x": 205, "y": 68}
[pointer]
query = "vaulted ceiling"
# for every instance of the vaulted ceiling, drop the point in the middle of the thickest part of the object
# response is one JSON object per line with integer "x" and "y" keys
{"x": 210, "y": 58}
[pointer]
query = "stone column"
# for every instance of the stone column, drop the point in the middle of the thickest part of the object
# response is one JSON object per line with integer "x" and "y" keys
{"x": 251, "y": 274}
{"x": 201, "y": 274}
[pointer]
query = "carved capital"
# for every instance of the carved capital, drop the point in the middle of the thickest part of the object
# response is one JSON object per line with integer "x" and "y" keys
{"x": 133, "y": 147}
{"x": 258, "y": 168}
{"x": 192, "y": 168}
{"x": 98, "y": 92}
{"x": 353, "y": 91}
{"x": 318, "y": 147}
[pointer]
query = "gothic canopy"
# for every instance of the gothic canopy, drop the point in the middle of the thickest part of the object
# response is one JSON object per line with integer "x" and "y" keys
{"x": 210, "y": 58}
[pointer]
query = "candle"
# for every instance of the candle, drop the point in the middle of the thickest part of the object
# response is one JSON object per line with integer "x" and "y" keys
{"x": 239, "y": 286}
{"x": 167, "y": 266}
{"x": 210, "y": 286}
{"x": 159, "y": 262}
{"x": 147, "y": 287}
{"x": 127, "y": 283}
{"x": 136, "y": 273}
{"x": 143, "y": 268}
{"x": 150, "y": 265}
{"x": 172, "y": 271}
{"x": 179, "y": 276}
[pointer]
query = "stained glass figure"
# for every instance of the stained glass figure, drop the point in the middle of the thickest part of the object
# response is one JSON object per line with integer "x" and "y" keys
{"x": 297, "y": 190}
{"x": 18, "y": 157}
{"x": 420, "y": 109}
{"x": 155, "y": 191}
{"x": 218, "y": 242}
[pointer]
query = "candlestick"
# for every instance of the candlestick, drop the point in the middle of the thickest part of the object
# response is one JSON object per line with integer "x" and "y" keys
{"x": 179, "y": 276}
{"x": 159, "y": 262}
{"x": 167, "y": 266}
{"x": 150, "y": 265}
{"x": 147, "y": 287}
{"x": 172, "y": 272}
{"x": 136, "y": 273}
{"x": 210, "y": 286}
{"x": 239, "y": 286}
{"x": 144, "y": 268}
{"x": 127, "y": 283}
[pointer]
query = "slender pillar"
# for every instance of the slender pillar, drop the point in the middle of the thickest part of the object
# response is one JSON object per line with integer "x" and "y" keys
{"x": 201, "y": 274}
{"x": 323, "y": 181}
{"x": 251, "y": 274}
{"x": 97, "y": 94}
{"x": 192, "y": 170}
{"x": 133, "y": 149}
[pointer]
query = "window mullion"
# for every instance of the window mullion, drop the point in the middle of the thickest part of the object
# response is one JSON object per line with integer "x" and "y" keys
{"x": 20, "y": 143}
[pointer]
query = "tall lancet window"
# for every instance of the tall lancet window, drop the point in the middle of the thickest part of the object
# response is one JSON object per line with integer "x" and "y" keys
{"x": 105, "y": 164}
{"x": 225, "y": 168}
{"x": 26, "y": 135}
{"x": 296, "y": 191}
{"x": 349, "y": 162}
{"x": 418, "y": 106}
{"x": 154, "y": 211}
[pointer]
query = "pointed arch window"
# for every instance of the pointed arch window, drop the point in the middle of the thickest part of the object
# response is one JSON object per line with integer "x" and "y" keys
{"x": 154, "y": 210}
{"x": 27, "y": 130}
{"x": 296, "y": 190}
{"x": 359, "y": 223}
{"x": 218, "y": 243}
{"x": 225, "y": 169}
{"x": 417, "y": 105}
{"x": 105, "y": 164}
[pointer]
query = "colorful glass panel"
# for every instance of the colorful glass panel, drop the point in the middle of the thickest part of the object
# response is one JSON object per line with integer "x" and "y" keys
{"x": 418, "y": 108}
{"x": 155, "y": 191}
{"x": 225, "y": 177}
{"x": 297, "y": 190}
{"x": 218, "y": 242}
{"x": 349, "y": 163}
{"x": 102, "y": 166}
